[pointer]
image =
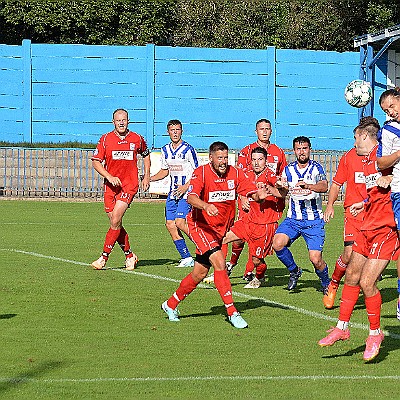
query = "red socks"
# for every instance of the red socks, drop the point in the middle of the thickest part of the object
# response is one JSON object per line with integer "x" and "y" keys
{"x": 185, "y": 288}
{"x": 260, "y": 271}
{"x": 123, "y": 241}
{"x": 223, "y": 285}
{"x": 109, "y": 242}
{"x": 373, "y": 305}
{"x": 348, "y": 301}
{"x": 340, "y": 270}
{"x": 236, "y": 251}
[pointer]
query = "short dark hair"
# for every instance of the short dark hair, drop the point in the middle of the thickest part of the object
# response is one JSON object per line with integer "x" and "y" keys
{"x": 301, "y": 139}
{"x": 120, "y": 109}
{"x": 260, "y": 150}
{"x": 174, "y": 122}
{"x": 216, "y": 146}
{"x": 369, "y": 125}
{"x": 267, "y": 121}
{"x": 388, "y": 93}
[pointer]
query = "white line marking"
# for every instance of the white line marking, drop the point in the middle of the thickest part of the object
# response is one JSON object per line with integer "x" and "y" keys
{"x": 204, "y": 286}
{"x": 22, "y": 379}
{"x": 204, "y": 378}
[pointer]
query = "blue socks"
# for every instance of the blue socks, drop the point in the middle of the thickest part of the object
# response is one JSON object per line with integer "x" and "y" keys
{"x": 286, "y": 257}
{"x": 180, "y": 245}
{"x": 323, "y": 276}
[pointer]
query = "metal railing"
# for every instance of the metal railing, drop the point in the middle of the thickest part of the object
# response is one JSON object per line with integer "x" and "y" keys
{"x": 68, "y": 173}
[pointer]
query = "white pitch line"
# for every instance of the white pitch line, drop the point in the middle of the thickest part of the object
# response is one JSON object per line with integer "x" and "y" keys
{"x": 204, "y": 286}
{"x": 204, "y": 378}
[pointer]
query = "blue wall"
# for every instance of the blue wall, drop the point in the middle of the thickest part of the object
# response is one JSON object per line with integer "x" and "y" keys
{"x": 59, "y": 93}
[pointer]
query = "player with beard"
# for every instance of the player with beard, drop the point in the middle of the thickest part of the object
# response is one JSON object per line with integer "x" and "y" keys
{"x": 212, "y": 194}
{"x": 305, "y": 180}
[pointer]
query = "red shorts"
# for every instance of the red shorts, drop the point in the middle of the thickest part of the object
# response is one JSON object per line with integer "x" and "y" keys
{"x": 258, "y": 236}
{"x": 204, "y": 237}
{"x": 351, "y": 228}
{"x": 379, "y": 244}
{"x": 111, "y": 195}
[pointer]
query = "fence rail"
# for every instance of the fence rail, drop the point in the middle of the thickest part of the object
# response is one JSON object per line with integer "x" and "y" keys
{"x": 68, "y": 173}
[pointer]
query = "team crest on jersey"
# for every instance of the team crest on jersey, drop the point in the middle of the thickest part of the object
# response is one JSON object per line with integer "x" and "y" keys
{"x": 359, "y": 177}
{"x": 231, "y": 184}
{"x": 272, "y": 166}
{"x": 132, "y": 146}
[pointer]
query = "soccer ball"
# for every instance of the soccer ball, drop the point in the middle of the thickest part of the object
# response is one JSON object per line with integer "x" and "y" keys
{"x": 358, "y": 93}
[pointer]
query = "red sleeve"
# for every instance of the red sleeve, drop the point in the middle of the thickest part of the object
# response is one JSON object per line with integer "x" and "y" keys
{"x": 99, "y": 153}
{"x": 245, "y": 186}
{"x": 242, "y": 157}
{"x": 143, "y": 147}
{"x": 197, "y": 182}
{"x": 282, "y": 163}
{"x": 341, "y": 173}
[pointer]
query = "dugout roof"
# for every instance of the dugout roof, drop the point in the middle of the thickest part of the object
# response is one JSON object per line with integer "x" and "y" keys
{"x": 386, "y": 37}
{"x": 372, "y": 47}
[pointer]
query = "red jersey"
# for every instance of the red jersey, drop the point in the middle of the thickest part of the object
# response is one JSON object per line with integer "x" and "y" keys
{"x": 220, "y": 191}
{"x": 276, "y": 160}
{"x": 269, "y": 210}
{"x": 378, "y": 211}
{"x": 350, "y": 170}
{"x": 119, "y": 155}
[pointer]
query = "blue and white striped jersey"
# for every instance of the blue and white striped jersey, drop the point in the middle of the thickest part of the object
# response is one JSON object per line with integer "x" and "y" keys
{"x": 389, "y": 143}
{"x": 304, "y": 204}
{"x": 180, "y": 162}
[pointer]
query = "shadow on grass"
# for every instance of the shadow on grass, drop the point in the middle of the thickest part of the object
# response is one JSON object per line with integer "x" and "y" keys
{"x": 7, "y": 316}
{"x": 242, "y": 307}
{"x": 388, "y": 295}
{"x": 148, "y": 263}
{"x": 389, "y": 344}
{"x": 23, "y": 378}
{"x": 280, "y": 276}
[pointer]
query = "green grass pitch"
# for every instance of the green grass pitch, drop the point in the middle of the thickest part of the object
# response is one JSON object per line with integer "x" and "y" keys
{"x": 69, "y": 332}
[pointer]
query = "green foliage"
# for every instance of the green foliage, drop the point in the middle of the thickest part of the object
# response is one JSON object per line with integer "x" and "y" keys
{"x": 298, "y": 24}
{"x": 134, "y": 22}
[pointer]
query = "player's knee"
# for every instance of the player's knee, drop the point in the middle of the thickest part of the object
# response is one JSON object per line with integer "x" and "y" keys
{"x": 352, "y": 276}
{"x": 115, "y": 222}
{"x": 257, "y": 262}
{"x": 278, "y": 243}
{"x": 317, "y": 262}
{"x": 198, "y": 275}
{"x": 367, "y": 284}
{"x": 170, "y": 225}
{"x": 180, "y": 223}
